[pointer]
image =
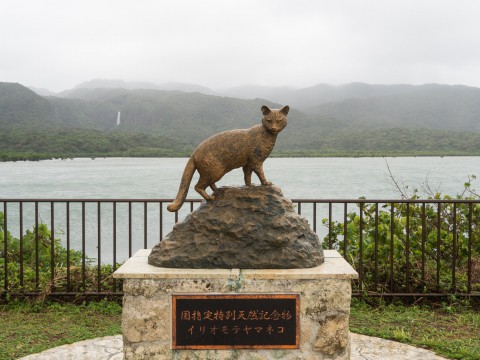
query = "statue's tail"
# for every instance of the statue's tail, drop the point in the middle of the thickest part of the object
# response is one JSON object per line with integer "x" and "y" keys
{"x": 184, "y": 185}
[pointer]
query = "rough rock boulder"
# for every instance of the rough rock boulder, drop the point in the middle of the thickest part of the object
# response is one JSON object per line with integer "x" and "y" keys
{"x": 244, "y": 227}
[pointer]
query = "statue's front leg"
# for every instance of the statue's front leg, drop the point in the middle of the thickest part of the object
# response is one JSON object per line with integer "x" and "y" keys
{"x": 259, "y": 171}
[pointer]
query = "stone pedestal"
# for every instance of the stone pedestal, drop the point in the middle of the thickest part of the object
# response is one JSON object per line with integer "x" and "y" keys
{"x": 325, "y": 294}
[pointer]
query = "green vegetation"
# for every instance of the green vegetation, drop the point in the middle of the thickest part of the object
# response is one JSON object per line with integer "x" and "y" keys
{"x": 52, "y": 265}
{"x": 22, "y": 145}
{"x": 40, "y": 145}
{"x": 357, "y": 142}
{"x": 30, "y": 327}
{"x": 450, "y": 330}
{"x": 445, "y": 246}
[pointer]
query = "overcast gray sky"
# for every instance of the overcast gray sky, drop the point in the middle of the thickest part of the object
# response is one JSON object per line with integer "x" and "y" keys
{"x": 58, "y": 44}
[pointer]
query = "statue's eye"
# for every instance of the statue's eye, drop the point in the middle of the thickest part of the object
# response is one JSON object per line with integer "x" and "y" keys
{"x": 269, "y": 120}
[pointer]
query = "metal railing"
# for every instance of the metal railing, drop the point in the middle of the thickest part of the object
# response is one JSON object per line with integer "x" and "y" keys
{"x": 70, "y": 247}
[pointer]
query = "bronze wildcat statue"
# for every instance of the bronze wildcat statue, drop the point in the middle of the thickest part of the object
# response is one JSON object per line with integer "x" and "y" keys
{"x": 228, "y": 150}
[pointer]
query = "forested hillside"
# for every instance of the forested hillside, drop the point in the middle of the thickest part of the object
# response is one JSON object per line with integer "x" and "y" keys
{"x": 187, "y": 116}
{"x": 67, "y": 143}
{"x": 21, "y": 107}
{"x": 405, "y": 120}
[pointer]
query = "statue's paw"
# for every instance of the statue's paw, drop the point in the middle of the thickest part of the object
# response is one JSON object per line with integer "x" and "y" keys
{"x": 211, "y": 198}
{"x": 267, "y": 183}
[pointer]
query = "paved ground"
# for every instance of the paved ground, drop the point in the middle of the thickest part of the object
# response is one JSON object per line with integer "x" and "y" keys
{"x": 110, "y": 348}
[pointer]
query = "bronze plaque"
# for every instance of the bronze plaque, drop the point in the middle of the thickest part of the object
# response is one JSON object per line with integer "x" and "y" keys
{"x": 236, "y": 321}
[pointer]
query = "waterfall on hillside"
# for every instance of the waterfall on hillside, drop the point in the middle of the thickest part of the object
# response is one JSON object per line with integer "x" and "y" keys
{"x": 118, "y": 118}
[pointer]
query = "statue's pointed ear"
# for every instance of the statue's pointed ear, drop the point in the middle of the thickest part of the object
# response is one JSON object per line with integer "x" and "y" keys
{"x": 265, "y": 110}
{"x": 285, "y": 110}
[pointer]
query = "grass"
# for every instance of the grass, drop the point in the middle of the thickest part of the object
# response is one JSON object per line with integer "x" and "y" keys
{"x": 451, "y": 331}
{"x": 28, "y": 327}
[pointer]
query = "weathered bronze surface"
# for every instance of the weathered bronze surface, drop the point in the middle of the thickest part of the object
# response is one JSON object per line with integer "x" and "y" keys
{"x": 235, "y": 321}
{"x": 228, "y": 150}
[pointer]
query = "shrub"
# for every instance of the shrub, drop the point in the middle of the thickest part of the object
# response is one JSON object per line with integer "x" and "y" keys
{"x": 416, "y": 250}
{"x": 59, "y": 270}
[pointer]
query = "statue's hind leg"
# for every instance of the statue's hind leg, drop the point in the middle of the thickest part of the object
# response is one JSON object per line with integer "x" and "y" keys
{"x": 213, "y": 187}
{"x": 201, "y": 186}
{"x": 247, "y": 175}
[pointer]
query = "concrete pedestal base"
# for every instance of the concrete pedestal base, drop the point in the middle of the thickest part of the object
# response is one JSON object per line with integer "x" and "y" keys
{"x": 325, "y": 293}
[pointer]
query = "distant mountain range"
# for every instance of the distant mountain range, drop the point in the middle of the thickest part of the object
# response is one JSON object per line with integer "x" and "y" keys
{"x": 305, "y": 99}
{"x": 354, "y": 119}
{"x": 455, "y": 108}
{"x": 130, "y": 85}
{"x": 309, "y": 97}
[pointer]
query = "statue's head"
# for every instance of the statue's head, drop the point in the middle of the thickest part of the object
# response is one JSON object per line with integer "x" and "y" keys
{"x": 274, "y": 120}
